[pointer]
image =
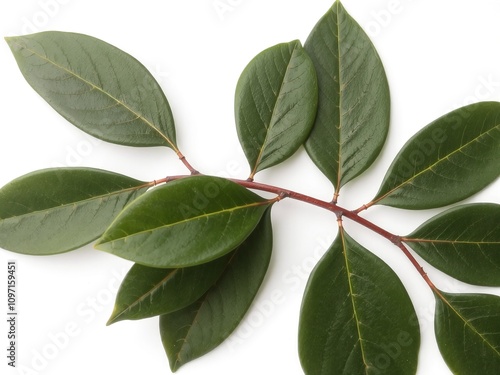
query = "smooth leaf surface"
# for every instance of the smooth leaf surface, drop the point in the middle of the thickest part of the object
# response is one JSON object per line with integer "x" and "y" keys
{"x": 463, "y": 242}
{"x": 56, "y": 210}
{"x": 449, "y": 160}
{"x": 184, "y": 223}
{"x": 147, "y": 292}
{"x": 356, "y": 316}
{"x": 354, "y": 102}
{"x": 97, "y": 87}
{"x": 275, "y": 104}
{"x": 194, "y": 331}
{"x": 467, "y": 328}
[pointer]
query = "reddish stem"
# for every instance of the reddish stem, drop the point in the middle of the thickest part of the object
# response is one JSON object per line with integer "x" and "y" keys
{"x": 285, "y": 193}
{"x": 419, "y": 268}
{"x": 186, "y": 163}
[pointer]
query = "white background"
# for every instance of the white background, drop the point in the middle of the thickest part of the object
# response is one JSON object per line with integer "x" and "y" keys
{"x": 438, "y": 56}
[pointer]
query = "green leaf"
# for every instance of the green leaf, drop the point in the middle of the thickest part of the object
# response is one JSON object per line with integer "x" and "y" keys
{"x": 467, "y": 328}
{"x": 354, "y": 102}
{"x": 184, "y": 223}
{"x": 449, "y": 160}
{"x": 97, "y": 87}
{"x": 275, "y": 104}
{"x": 147, "y": 292}
{"x": 463, "y": 242}
{"x": 194, "y": 331}
{"x": 56, "y": 210}
{"x": 356, "y": 316}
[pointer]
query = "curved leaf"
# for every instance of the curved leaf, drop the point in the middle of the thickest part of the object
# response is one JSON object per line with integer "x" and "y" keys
{"x": 147, "y": 292}
{"x": 464, "y": 242}
{"x": 194, "y": 331}
{"x": 275, "y": 104}
{"x": 354, "y": 102}
{"x": 56, "y": 210}
{"x": 184, "y": 223}
{"x": 356, "y": 316}
{"x": 447, "y": 161}
{"x": 97, "y": 87}
{"x": 467, "y": 328}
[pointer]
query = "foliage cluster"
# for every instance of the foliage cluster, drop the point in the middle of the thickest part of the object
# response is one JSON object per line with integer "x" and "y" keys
{"x": 201, "y": 245}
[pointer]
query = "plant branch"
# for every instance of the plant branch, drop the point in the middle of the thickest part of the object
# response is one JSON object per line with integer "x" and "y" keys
{"x": 342, "y": 212}
{"x": 282, "y": 193}
{"x": 285, "y": 193}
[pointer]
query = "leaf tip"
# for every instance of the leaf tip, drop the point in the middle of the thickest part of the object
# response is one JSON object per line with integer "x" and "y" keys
{"x": 9, "y": 40}
{"x": 114, "y": 318}
{"x": 176, "y": 365}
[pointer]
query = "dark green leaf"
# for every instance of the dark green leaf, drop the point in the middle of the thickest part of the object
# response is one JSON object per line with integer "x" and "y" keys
{"x": 356, "y": 316}
{"x": 275, "y": 105}
{"x": 194, "y": 331}
{"x": 56, "y": 210}
{"x": 447, "y": 161}
{"x": 464, "y": 242}
{"x": 184, "y": 223}
{"x": 147, "y": 292}
{"x": 97, "y": 87}
{"x": 468, "y": 332}
{"x": 354, "y": 101}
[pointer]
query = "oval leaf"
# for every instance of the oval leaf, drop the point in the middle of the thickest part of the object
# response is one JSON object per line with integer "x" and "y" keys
{"x": 356, "y": 316}
{"x": 56, "y": 210}
{"x": 97, "y": 87}
{"x": 194, "y": 331}
{"x": 354, "y": 102}
{"x": 275, "y": 104}
{"x": 449, "y": 160}
{"x": 147, "y": 292}
{"x": 463, "y": 242}
{"x": 467, "y": 328}
{"x": 184, "y": 223}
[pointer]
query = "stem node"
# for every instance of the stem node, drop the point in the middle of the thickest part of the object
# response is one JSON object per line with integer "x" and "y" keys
{"x": 186, "y": 163}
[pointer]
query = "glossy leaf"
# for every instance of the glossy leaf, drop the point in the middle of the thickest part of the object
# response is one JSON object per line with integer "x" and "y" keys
{"x": 464, "y": 242}
{"x": 147, "y": 292}
{"x": 56, "y": 210}
{"x": 356, "y": 316}
{"x": 467, "y": 330}
{"x": 194, "y": 331}
{"x": 97, "y": 87}
{"x": 184, "y": 223}
{"x": 449, "y": 160}
{"x": 354, "y": 102}
{"x": 275, "y": 104}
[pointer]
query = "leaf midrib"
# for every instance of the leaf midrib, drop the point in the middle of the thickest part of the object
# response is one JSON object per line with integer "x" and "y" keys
{"x": 466, "y": 322}
{"x": 67, "y": 205}
{"x": 93, "y": 86}
{"x": 340, "y": 122}
{"x": 140, "y": 299}
{"x": 351, "y": 295}
{"x": 194, "y": 218}
{"x": 271, "y": 122}
{"x": 203, "y": 300}
{"x": 438, "y": 161}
